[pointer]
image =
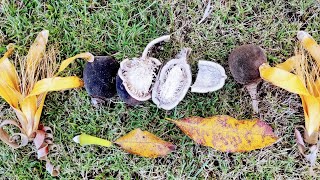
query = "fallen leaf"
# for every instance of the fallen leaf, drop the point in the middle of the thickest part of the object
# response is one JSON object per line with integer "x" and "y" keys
{"x": 144, "y": 144}
{"x": 227, "y": 134}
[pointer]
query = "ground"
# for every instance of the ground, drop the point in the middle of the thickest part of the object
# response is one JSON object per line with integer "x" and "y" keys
{"x": 122, "y": 29}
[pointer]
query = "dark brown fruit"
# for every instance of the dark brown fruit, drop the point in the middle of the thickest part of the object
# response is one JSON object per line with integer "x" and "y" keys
{"x": 100, "y": 77}
{"x": 244, "y": 62}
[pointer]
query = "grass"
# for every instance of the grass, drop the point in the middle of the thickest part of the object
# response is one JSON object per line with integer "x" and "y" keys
{"x": 122, "y": 29}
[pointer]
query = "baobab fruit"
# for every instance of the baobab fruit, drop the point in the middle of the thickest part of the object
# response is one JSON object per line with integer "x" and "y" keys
{"x": 244, "y": 63}
{"x": 124, "y": 95}
{"x": 100, "y": 78}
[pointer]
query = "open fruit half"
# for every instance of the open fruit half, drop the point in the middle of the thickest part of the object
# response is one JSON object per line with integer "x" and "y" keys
{"x": 173, "y": 82}
{"x": 138, "y": 74}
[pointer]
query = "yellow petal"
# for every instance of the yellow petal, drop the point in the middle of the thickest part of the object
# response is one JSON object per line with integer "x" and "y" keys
{"x": 9, "y": 74}
{"x": 29, "y": 108}
{"x": 22, "y": 119}
{"x": 8, "y": 71}
{"x": 40, "y": 105}
{"x": 311, "y": 107}
{"x": 55, "y": 84}
{"x": 85, "y": 139}
{"x": 9, "y": 94}
{"x": 36, "y": 51}
{"x": 289, "y": 64}
{"x": 316, "y": 88}
{"x": 10, "y": 49}
{"x": 87, "y": 56}
{"x": 310, "y": 45}
{"x": 283, "y": 79}
{"x": 9, "y": 81}
{"x": 6, "y": 138}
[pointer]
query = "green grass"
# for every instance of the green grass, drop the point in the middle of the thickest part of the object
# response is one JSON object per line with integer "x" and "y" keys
{"x": 122, "y": 29}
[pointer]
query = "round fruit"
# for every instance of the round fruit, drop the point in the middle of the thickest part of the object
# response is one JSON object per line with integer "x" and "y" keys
{"x": 99, "y": 78}
{"x": 244, "y": 62}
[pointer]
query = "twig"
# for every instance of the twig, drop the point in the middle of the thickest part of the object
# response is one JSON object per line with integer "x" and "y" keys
{"x": 207, "y": 12}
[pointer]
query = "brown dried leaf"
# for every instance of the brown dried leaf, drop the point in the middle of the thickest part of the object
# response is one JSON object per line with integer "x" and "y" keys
{"x": 144, "y": 144}
{"x": 227, "y": 134}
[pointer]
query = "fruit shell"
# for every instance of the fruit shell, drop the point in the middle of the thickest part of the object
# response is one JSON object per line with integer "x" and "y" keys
{"x": 211, "y": 77}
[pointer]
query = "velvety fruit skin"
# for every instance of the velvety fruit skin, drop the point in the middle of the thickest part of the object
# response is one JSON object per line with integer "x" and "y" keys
{"x": 244, "y": 62}
{"x": 99, "y": 77}
{"x": 124, "y": 95}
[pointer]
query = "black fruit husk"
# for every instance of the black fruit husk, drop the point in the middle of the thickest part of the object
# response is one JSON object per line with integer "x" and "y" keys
{"x": 100, "y": 77}
{"x": 124, "y": 95}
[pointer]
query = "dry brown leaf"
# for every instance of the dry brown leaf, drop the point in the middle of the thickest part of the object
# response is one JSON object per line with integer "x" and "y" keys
{"x": 227, "y": 134}
{"x": 145, "y": 144}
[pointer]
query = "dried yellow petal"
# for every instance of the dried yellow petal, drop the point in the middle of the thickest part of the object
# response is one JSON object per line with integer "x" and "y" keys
{"x": 283, "y": 79}
{"x": 56, "y": 84}
{"x": 87, "y": 56}
{"x": 310, "y": 45}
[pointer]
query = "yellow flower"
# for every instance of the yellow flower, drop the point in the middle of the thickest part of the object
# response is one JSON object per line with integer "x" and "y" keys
{"x": 25, "y": 92}
{"x": 300, "y": 74}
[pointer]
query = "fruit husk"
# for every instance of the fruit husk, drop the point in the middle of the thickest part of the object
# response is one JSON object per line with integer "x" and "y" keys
{"x": 100, "y": 77}
{"x": 124, "y": 95}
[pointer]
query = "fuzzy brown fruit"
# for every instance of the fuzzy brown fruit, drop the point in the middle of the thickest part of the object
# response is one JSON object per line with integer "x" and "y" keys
{"x": 244, "y": 63}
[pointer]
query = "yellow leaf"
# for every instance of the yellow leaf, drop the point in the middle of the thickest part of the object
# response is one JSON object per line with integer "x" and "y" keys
{"x": 311, "y": 107}
{"x": 87, "y": 56}
{"x": 36, "y": 51}
{"x": 85, "y": 139}
{"x": 289, "y": 64}
{"x": 310, "y": 45}
{"x": 283, "y": 79}
{"x": 144, "y": 144}
{"x": 227, "y": 134}
{"x": 56, "y": 84}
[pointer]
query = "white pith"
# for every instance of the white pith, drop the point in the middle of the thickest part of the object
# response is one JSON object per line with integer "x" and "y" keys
{"x": 170, "y": 86}
{"x": 137, "y": 76}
